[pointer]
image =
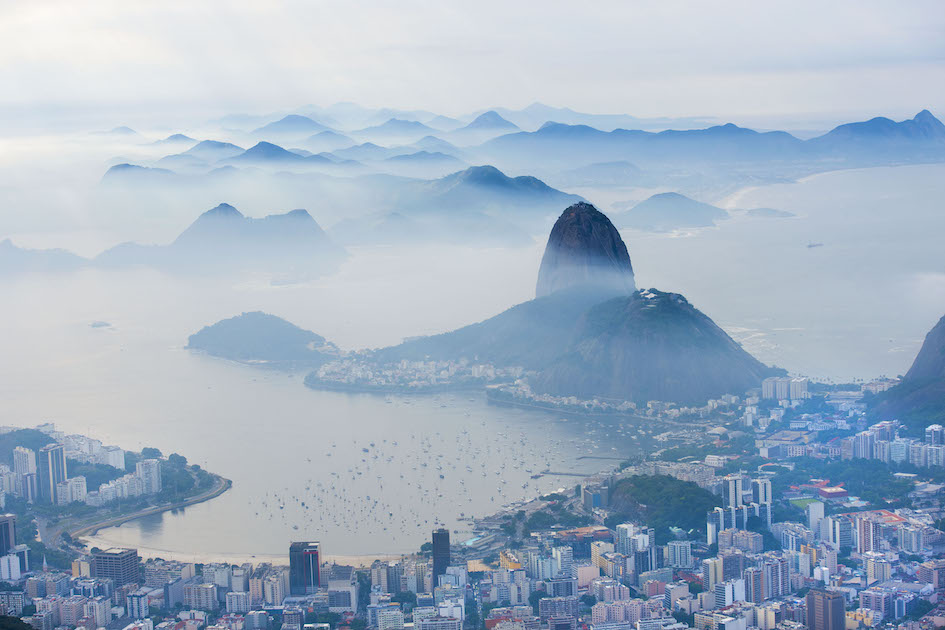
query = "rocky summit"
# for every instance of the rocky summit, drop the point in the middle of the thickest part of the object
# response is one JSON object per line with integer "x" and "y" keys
{"x": 919, "y": 399}
{"x": 585, "y": 250}
{"x": 589, "y": 333}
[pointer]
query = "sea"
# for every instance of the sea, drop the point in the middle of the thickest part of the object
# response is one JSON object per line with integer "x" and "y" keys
{"x": 843, "y": 290}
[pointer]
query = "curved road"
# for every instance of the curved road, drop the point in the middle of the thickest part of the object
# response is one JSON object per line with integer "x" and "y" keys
{"x": 50, "y": 535}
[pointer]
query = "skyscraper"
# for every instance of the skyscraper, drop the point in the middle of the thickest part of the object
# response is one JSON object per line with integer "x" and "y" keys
{"x": 304, "y": 564}
{"x": 815, "y": 514}
{"x": 7, "y": 533}
{"x": 441, "y": 552}
{"x": 50, "y": 471}
{"x": 732, "y": 487}
{"x": 761, "y": 491}
{"x": 825, "y": 610}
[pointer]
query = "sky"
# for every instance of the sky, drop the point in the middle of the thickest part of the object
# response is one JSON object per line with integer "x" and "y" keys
{"x": 117, "y": 61}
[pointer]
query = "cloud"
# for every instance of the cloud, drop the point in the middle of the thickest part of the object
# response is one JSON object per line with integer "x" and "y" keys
{"x": 648, "y": 58}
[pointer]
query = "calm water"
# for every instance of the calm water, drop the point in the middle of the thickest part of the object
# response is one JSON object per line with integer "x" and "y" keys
{"x": 856, "y": 307}
{"x": 364, "y": 474}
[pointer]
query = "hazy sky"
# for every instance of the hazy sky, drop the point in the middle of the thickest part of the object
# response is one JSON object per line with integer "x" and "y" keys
{"x": 727, "y": 58}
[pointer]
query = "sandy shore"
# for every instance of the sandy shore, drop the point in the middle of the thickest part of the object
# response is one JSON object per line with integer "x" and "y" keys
{"x": 236, "y": 558}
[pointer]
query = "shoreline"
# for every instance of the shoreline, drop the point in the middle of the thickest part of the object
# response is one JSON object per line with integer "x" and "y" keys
{"x": 207, "y": 557}
{"x": 85, "y": 531}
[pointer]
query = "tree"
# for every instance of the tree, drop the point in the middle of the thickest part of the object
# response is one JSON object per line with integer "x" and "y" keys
{"x": 149, "y": 452}
{"x": 588, "y": 600}
{"x": 13, "y": 623}
{"x": 921, "y": 609}
{"x": 534, "y": 598}
{"x": 405, "y": 597}
{"x": 177, "y": 460}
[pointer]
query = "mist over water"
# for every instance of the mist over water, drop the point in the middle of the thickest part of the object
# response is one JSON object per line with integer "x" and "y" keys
{"x": 846, "y": 288}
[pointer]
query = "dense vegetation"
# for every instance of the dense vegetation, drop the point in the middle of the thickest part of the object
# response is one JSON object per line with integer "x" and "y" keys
{"x": 661, "y": 502}
{"x": 30, "y": 438}
{"x": 95, "y": 474}
{"x": 555, "y": 514}
{"x": 259, "y": 337}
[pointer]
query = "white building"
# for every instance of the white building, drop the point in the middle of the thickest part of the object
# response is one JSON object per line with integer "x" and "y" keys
{"x": 237, "y": 602}
{"x": 10, "y": 567}
{"x": 112, "y": 456}
{"x": 149, "y": 472}
{"x": 390, "y": 619}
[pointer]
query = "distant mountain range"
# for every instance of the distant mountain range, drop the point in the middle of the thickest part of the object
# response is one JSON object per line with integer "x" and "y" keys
{"x": 665, "y": 212}
{"x": 566, "y": 154}
{"x": 397, "y": 130}
{"x": 293, "y": 126}
{"x": 220, "y": 240}
{"x": 261, "y": 338}
{"x": 175, "y": 139}
{"x": 487, "y": 189}
{"x": 485, "y": 126}
{"x": 266, "y": 153}
{"x": 591, "y": 337}
{"x": 471, "y": 197}
{"x": 479, "y": 205}
{"x": 212, "y": 151}
{"x": 880, "y": 132}
{"x": 17, "y": 259}
{"x": 919, "y": 400}
{"x": 875, "y": 141}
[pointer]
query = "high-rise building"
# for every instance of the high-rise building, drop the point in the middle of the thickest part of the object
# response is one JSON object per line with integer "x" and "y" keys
{"x": 121, "y": 565}
{"x": 625, "y": 532}
{"x": 679, "y": 554}
{"x": 732, "y": 488}
{"x": 7, "y": 533}
{"x": 50, "y": 471}
{"x": 304, "y": 566}
{"x": 815, "y": 514}
{"x": 869, "y": 534}
{"x": 825, "y": 610}
{"x": 754, "y": 587}
{"x": 149, "y": 471}
{"x": 761, "y": 491}
{"x": 24, "y": 460}
{"x": 441, "y": 552}
{"x": 934, "y": 434}
{"x": 29, "y": 487}
{"x": 712, "y": 572}
{"x": 729, "y": 592}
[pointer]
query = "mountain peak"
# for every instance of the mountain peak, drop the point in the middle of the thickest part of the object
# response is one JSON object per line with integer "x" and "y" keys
{"x": 585, "y": 249}
{"x": 929, "y": 364}
{"x": 490, "y": 120}
{"x": 299, "y": 213}
{"x": 223, "y": 210}
{"x": 927, "y": 120}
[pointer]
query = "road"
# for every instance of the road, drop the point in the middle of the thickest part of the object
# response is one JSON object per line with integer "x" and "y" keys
{"x": 50, "y": 534}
